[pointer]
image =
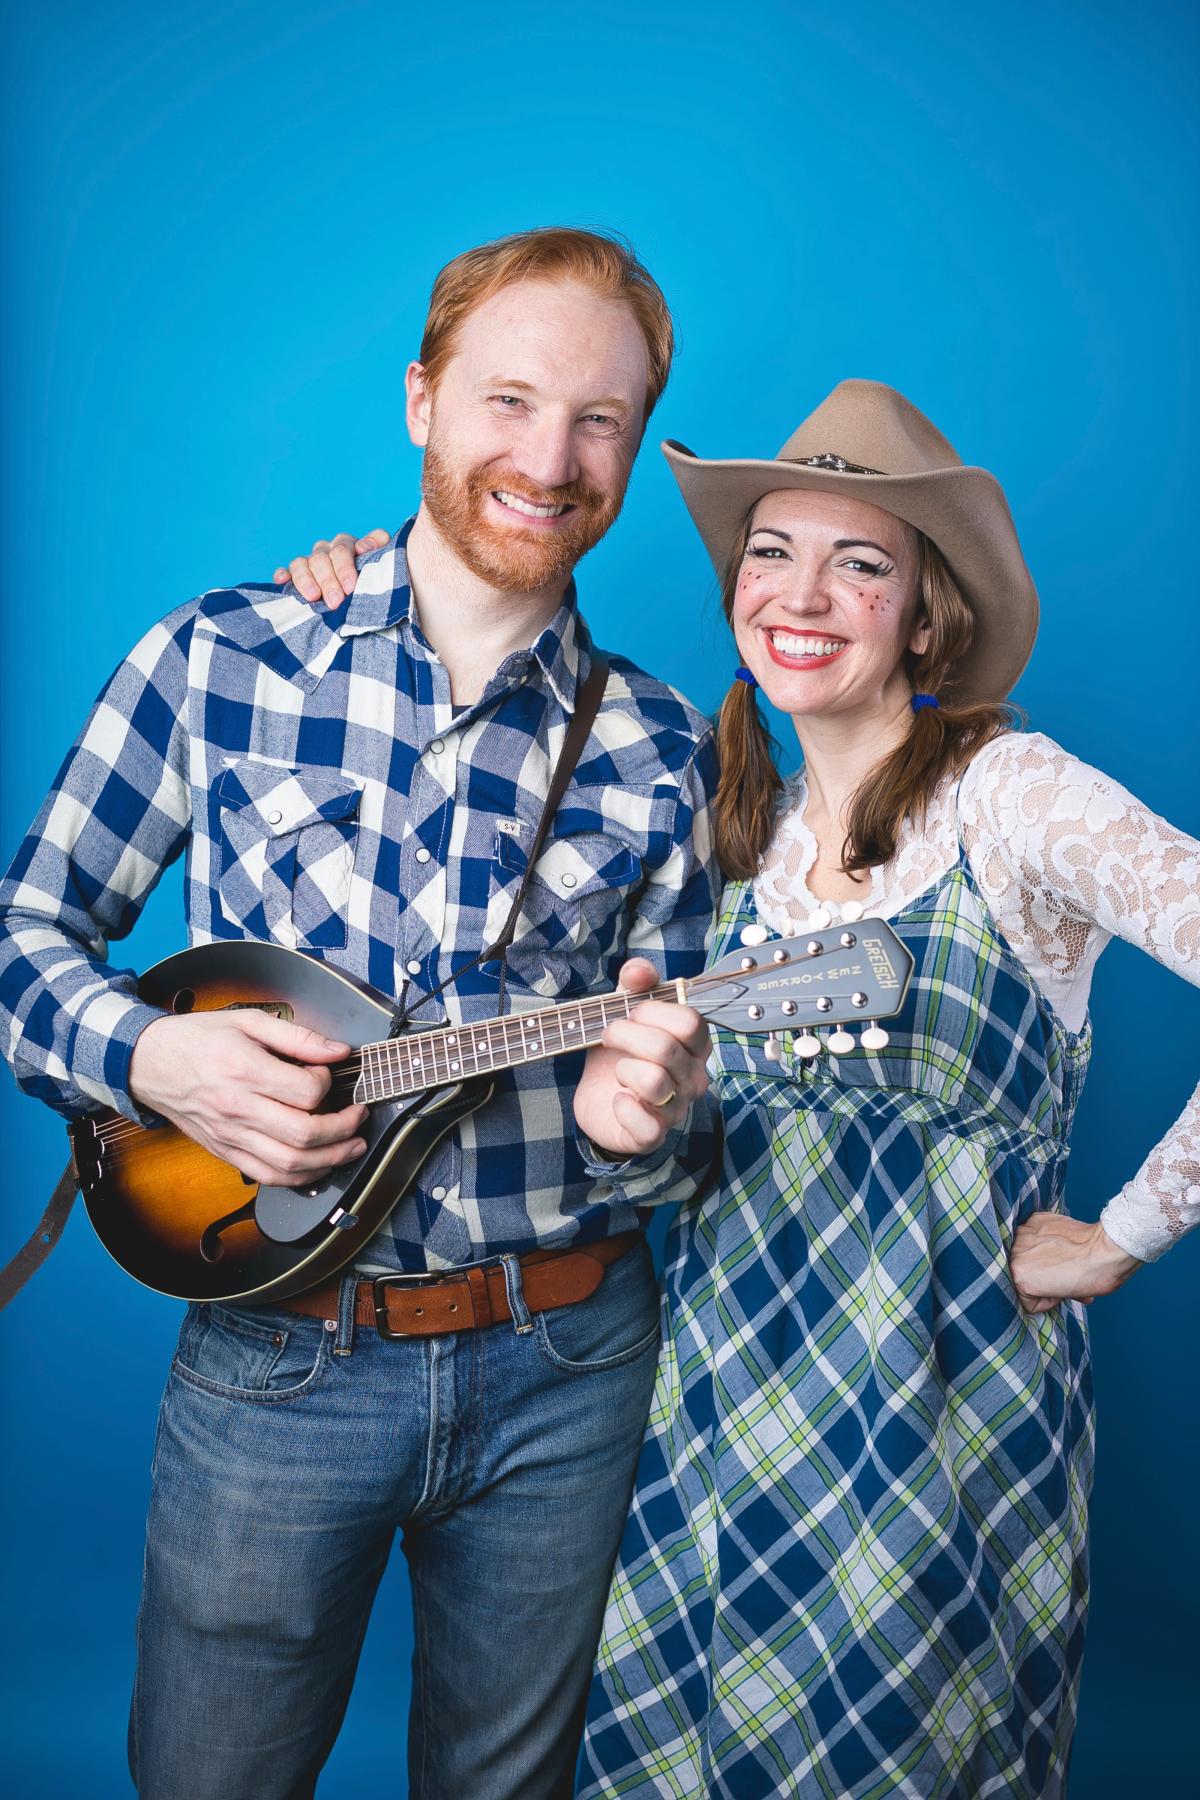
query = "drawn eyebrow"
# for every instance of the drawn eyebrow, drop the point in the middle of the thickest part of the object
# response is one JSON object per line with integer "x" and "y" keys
{"x": 862, "y": 544}
{"x": 838, "y": 543}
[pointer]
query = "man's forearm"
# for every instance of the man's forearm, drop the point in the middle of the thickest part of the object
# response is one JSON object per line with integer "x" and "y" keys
{"x": 70, "y": 1022}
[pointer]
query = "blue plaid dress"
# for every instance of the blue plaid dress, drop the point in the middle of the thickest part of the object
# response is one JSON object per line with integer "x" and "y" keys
{"x": 856, "y": 1563}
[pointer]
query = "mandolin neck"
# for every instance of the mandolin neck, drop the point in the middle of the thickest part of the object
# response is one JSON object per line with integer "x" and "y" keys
{"x": 409, "y": 1065}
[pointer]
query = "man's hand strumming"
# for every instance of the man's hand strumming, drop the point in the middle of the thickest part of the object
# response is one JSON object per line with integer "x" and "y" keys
{"x": 246, "y": 1086}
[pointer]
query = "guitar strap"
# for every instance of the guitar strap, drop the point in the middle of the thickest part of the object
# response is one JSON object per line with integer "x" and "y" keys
{"x": 36, "y": 1249}
{"x": 33, "y": 1253}
{"x": 587, "y": 705}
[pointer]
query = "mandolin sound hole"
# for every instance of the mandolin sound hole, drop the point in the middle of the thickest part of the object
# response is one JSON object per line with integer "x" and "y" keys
{"x": 211, "y": 1247}
{"x": 183, "y": 1001}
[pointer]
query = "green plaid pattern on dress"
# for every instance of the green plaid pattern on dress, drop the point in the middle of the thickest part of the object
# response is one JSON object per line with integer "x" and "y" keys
{"x": 856, "y": 1563}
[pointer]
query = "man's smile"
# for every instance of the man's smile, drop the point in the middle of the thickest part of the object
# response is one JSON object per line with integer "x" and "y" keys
{"x": 529, "y": 511}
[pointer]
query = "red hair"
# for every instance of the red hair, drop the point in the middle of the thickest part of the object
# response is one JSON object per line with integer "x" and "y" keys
{"x": 603, "y": 263}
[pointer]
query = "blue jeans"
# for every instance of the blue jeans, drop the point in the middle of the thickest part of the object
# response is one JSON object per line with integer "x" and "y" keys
{"x": 291, "y": 1449}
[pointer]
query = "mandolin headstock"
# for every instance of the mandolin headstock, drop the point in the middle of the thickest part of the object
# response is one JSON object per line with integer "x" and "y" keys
{"x": 836, "y": 976}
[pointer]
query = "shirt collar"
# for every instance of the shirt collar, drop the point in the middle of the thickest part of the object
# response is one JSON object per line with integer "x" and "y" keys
{"x": 384, "y": 597}
{"x": 300, "y": 639}
{"x": 560, "y": 649}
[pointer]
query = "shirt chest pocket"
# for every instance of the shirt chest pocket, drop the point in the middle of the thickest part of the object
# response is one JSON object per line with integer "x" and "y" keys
{"x": 286, "y": 848}
{"x": 574, "y": 915}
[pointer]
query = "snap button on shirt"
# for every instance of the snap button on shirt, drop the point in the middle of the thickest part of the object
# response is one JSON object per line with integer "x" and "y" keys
{"x": 422, "y": 855}
{"x": 414, "y": 968}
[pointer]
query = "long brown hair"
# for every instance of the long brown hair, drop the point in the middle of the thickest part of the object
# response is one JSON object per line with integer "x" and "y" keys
{"x": 940, "y": 742}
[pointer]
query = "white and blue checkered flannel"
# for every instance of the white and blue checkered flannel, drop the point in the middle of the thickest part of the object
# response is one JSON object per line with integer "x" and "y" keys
{"x": 328, "y": 796}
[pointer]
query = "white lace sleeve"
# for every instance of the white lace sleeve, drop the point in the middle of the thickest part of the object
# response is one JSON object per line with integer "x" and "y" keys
{"x": 1068, "y": 859}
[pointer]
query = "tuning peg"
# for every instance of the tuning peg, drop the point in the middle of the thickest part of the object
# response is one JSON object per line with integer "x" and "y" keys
{"x": 805, "y": 1044}
{"x": 840, "y": 1041}
{"x": 852, "y": 911}
{"x": 771, "y": 1049}
{"x": 820, "y": 919}
{"x": 754, "y": 934}
{"x": 875, "y": 1037}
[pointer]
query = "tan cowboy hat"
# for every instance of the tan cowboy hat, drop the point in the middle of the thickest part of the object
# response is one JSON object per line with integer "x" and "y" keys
{"x": 869, "y": 442}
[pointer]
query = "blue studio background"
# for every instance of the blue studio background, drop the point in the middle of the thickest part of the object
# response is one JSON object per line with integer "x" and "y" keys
{"x": 222, "y": 223}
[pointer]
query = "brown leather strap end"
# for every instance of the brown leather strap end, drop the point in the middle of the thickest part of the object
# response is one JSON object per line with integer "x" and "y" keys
{"x": 36, "y": 1249}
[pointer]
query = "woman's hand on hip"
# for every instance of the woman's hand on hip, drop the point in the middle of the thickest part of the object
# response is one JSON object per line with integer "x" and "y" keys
{"x": 1055, "y": 1258}
{"x": 641, "y": 1079}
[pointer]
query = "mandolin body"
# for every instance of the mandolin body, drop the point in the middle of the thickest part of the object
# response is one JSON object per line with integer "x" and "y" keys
{"x": 183, "y": 1222}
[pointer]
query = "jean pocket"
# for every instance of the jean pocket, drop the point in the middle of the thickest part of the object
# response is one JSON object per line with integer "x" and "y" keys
{"x": 269, "y": 1357}
{"x": 615, "y": 1325}
{"x": 287, "y": 839}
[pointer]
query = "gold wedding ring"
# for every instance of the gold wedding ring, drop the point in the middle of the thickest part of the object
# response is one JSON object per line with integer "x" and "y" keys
{"x": 668, "y": 1100}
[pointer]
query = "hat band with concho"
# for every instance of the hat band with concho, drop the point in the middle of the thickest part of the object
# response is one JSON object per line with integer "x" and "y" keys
{"x": 827, "y": 460}
{"x": 895, "y": 458}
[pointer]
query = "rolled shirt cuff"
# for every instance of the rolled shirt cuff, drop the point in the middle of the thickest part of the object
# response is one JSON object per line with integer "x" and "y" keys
{"x": 103, "y": 1051}
{"x": 638, "y": 1179}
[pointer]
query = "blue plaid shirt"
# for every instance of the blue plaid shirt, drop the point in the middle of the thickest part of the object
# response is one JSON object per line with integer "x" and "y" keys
{"x": 328, "y": 796}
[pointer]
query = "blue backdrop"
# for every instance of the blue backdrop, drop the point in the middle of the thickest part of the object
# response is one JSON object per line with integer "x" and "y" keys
{"x": 223, "y": 220}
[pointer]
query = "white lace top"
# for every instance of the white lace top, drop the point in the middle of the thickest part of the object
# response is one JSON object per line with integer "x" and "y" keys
{"x": 1066, "y": 859}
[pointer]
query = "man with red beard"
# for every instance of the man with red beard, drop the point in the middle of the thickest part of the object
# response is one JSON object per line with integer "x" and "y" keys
{"x": 363, "y": 781}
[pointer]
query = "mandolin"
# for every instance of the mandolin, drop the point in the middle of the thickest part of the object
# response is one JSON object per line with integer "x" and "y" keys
{"x": 181, "y": 1221}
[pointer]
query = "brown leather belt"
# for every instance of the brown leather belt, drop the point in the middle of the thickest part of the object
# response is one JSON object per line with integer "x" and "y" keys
{"x": 466, "y": 1299}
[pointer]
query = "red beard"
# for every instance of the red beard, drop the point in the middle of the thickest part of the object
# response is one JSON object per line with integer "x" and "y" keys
{"x": 506, "y": 557}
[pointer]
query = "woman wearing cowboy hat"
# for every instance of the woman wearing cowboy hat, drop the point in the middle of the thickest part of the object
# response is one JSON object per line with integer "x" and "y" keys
{"x": 856, "y": 1563}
